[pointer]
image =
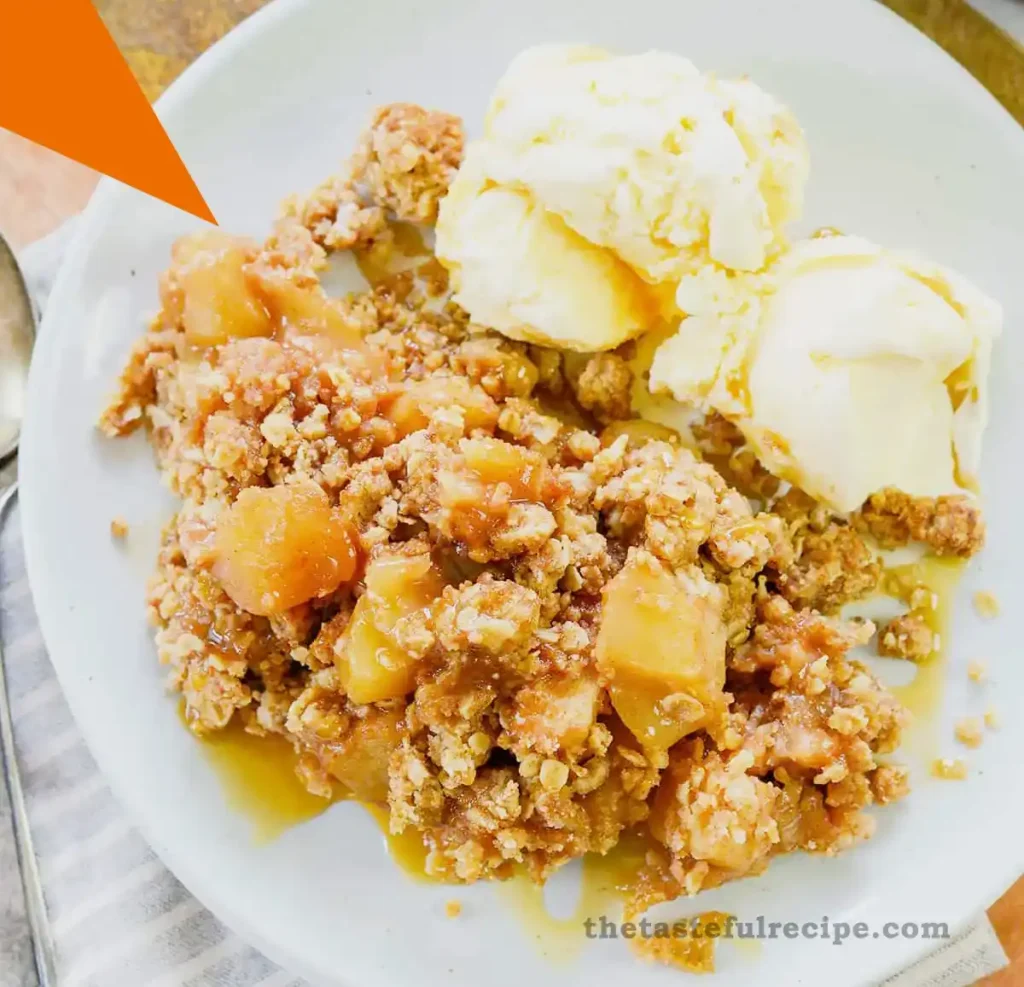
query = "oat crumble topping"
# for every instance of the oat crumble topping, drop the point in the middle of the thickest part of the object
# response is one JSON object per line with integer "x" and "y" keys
{"x": 948, "y": 525}
{"x": 908, "y": 636}
{"x": 692, "y": 953}
{"x": 969, "y": 731}
{"x": 407, "y": 545}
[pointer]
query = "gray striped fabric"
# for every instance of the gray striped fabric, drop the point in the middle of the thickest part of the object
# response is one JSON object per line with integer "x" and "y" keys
{"x": 117, "y": 915}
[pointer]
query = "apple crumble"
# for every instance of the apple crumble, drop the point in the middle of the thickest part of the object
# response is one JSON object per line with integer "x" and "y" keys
{"x": 455, "y": 574}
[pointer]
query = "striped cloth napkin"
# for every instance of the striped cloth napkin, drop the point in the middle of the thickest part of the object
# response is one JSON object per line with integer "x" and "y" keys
{"x": 116, "y": 916}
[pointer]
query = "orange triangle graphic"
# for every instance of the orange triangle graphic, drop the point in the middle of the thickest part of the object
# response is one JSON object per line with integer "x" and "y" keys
{"x": 65, "y": 85}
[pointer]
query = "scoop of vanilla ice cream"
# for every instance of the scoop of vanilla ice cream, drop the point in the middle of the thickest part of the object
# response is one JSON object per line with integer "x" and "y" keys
{"x": 849, "y": 367}
{"x": 522, "y": 271}
{"x": 643, "y": 158}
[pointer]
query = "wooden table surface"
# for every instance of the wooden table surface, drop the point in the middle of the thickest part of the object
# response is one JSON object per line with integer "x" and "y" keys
{"x": 40, "y": 189}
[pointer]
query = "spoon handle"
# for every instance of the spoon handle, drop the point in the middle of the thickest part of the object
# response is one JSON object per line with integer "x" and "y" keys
{"x": 32, "y": 885}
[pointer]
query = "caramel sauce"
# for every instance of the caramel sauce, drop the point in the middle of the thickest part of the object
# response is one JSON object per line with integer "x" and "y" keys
{"x": 259, "y": 782}
{"x": 936, "y": 580}
{"x": 605, "y": 884}
{"x": 258, "y": 775}
{"x": 408, "y": 851}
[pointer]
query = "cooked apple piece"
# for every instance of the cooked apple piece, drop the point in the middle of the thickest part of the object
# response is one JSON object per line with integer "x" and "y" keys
{"x": 639, "y": 432}
{"x": 412, "y": 408}
{"x": 370, "y": 667}
{"x": 653, "y": 714}
{"x": 304, "y": 308}
{"x": 663, "y": 639}
{"x": 371, "y": 664}
{"x": 360, "y": 760}
{"x": 403, "y": 583}
{"x": 215, "y": 299}
{"x": 277, "y": 547}
{"x": 492, "y": 461}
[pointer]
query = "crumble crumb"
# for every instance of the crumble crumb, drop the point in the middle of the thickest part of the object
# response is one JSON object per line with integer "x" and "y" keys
{"x": 986, "y": 605}
{"x": 334, "y": 216}
{"x": 603, "y": 387}
{"x": 693, "y": 952}
{"x": 969, "y": 731}
{"x": 407, "y": 157}
{"x": 991, "y": 719}
{"x": 453, "y": 908}
{"x": 119, "y": 527}
{"x": 949, "y": 525}
{"x": 889, "y": 782}
{"x": 949, "y": 769}
{"x": 404, "y": 163}
{"x": 908, "y": 636}
{"x": 834, "y": 566}
{"x": 977, "y": 671}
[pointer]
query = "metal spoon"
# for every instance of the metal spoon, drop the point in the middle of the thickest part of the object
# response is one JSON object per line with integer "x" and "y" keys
{"x": 17, "y": 333}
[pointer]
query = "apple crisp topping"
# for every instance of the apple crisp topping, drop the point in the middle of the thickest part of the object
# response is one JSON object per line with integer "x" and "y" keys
{"x": 692, "y": 952}
{"x": 407, "y": 545}
{"x": 908, "y": 636}
{"x": 948, "y": 525}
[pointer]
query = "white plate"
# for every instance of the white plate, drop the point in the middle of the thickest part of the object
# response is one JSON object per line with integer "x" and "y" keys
{"x": 906, "y": 149}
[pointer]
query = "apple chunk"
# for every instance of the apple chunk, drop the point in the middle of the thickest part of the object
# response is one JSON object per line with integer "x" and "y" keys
{"x": 277, "y": 547}
{"x": 213, "y": 298}
{"x": 663, "y": 641}
{"x": 371, "y": 663}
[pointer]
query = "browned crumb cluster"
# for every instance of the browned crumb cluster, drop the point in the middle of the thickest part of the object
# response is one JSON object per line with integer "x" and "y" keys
{"x": 603, "y": 387}
{"x": 907, "y": 636}
{"x": 407, "y": 159}
{"x": 687, "y": 944}
{"x": 459, "y": 601}
{"x": 948, "y": 525}
{"x": 119, "y": 528}
{"x": 403, "y": 165}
